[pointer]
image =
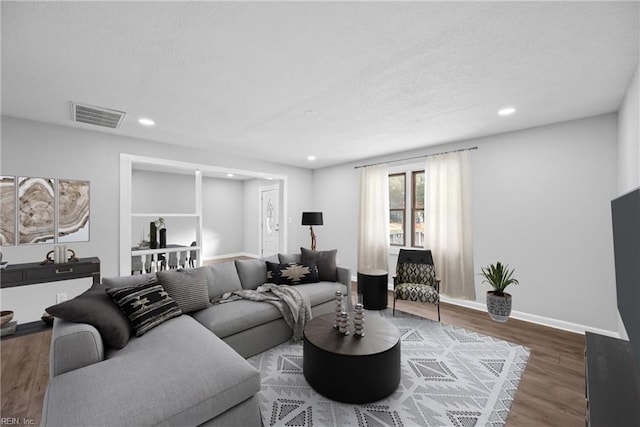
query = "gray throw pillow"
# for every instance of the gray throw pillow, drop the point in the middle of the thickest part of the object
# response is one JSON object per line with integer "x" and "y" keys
{"x": 147, "y": 305}
{"x": 289, "y": 258}
{"x": 252, "y": 272}
{"x": 188, "y": 287}
{"x": 324, "y": 260}
{"x": 271, "y": 258}
{"x": 222, "y": 278}
{"x": 133, "y": 280}
{"x": 96, "y": 308}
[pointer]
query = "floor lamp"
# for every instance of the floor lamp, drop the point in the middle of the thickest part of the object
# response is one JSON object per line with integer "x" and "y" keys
{"x": 311, "y": 219}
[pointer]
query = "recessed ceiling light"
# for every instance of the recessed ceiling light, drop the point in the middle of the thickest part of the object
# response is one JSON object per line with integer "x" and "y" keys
{"x": 311, "y": 158}
{"x": 146, "y": 122}
{"x": 229, "y": 175}
{"x": 506, "y": 111}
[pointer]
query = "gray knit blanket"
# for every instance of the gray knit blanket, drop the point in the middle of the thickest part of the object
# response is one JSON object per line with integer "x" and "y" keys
{"x": 292, "y": 304}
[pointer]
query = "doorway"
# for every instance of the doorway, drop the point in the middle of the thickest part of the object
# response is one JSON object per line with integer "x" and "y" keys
{"x": 129, "y": 162}
{"x": 269, "y": 221}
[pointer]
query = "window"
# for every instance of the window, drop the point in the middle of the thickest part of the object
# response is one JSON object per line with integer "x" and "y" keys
{"x": 397, "y": 203}
{"x": 406, "y": 208}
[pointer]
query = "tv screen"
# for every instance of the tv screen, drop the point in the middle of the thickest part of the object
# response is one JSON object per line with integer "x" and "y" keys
{"x": 625, "y": 213}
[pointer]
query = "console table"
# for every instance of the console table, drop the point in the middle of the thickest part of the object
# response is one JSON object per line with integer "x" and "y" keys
{"x": 35, "y": 272}
{"x": 612, "y": 380}
{"x": 31, "y": 273}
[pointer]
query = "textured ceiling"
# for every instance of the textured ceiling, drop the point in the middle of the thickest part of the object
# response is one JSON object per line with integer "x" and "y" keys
{"x": 340, "y": 80}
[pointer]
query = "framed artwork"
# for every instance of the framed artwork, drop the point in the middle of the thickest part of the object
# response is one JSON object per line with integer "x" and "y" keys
{"x": 73, "y": 211}
{"x": 36, "y": 207}
{"x": 7, "y": 210}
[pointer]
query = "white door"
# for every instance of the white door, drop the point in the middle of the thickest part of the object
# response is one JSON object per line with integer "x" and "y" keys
{"x": 270, "y": 222}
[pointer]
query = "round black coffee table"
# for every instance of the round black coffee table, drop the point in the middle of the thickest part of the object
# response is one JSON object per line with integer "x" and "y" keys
{"x": 351, "y": 369}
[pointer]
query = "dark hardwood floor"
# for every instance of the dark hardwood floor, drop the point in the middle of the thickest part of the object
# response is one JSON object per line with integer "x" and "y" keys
{"x": 24, "y": 377}
{"x": 551, "y": 392}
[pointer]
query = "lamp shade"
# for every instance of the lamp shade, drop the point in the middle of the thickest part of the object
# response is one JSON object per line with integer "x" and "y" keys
{"x": 311, "y": 218}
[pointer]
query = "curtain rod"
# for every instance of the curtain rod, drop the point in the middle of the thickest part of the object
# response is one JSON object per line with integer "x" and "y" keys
{"x": 416, "y": 157}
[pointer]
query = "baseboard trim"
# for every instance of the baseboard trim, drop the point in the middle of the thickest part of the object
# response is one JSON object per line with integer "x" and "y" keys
{"x": 534, "y": 318}
{"x": 527, "y": 317}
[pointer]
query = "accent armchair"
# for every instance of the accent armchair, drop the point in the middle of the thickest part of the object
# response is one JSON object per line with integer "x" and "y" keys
{"x": 415, "y": 278}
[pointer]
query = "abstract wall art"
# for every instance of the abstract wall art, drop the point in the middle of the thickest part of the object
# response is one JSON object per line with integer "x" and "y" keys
{"x": 7, "y": 210}
{"x": 36, "y": 210}
{"x": 36, "y": 205}
{"x": 73, "y": 210}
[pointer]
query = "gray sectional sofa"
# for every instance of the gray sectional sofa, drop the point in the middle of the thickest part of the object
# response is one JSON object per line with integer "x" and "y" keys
{"x": 189, "y": 370}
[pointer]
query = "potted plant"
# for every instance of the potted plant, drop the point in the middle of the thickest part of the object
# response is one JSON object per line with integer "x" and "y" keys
{"x": 160, "y": 223}
{"x": 499, "y": 277}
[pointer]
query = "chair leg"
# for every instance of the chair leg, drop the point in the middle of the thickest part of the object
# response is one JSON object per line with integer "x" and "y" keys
{"x": 394, "y": 303}
{"x": 438, "y": 311}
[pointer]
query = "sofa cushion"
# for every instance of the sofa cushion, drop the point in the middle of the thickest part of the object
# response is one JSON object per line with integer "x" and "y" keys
{"x": 96, "y": 308}
{"x": 291, "y": 274}
{"x": 177, "y": 374}
{"x": 133, "y": 280}
{"x": 325, "y": 260}
{"x": 188, "y": 287}
{"x": 321, "y": 292}
{"x": 232, "y": 317}
{"x": 147, "y": 305}
{"x": 222, "y": 278}
{"x": 252, "y": 272}
{"x": 289, "y": 258}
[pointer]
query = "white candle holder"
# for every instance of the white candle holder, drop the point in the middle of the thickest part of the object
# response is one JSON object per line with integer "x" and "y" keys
{"x": 344, "y": 323}
{"x": 358, "y": 321}
{"x": 337, "y": 320}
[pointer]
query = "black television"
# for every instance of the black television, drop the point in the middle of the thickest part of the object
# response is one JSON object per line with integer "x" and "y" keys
{"x": 625, "y": 215}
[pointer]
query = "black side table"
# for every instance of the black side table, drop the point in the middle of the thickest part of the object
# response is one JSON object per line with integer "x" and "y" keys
{"x": 372, "y": 285}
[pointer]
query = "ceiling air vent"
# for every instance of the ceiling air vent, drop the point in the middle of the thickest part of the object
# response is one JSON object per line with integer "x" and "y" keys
{"x": 98, "y": 116}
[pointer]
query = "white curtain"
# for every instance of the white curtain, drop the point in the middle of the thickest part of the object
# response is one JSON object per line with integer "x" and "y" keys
{"x": 448, "y": 222}
{"x": 373, "y": 233}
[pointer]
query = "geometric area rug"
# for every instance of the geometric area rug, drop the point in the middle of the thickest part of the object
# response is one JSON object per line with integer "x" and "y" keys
{"x": 449, "y": 377}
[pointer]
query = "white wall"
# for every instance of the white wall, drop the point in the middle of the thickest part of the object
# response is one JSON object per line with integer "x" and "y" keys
{"x": 629, "y": 137}
{"x": 159, "y": 193}
{"x": 541, "y": 203}
{"x": 38, "y": 149}
{"x": 629, "y": 147}
{"x": 162, "y": 192}
{"x": 556, "y": 182}
{"x": 223, "y": 211}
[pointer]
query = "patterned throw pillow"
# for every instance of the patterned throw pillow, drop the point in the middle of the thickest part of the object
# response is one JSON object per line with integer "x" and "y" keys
{"x": 292, "y": 273}
{"x": 146, "y": 305}
{"x": 188, "y": 287}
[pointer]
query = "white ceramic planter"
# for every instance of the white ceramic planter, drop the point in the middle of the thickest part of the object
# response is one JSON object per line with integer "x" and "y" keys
{"x": 499, "y": 307}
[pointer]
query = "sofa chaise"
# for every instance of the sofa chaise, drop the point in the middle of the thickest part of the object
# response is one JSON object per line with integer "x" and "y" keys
{"x": 190, "y": 368}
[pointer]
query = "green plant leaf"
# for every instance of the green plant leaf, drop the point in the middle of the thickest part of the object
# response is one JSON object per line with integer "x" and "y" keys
{"x": 498, "y": 276}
